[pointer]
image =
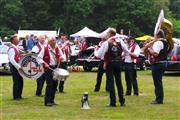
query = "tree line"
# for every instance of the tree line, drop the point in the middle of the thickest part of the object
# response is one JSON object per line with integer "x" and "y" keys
{"x": 138, "y": 16}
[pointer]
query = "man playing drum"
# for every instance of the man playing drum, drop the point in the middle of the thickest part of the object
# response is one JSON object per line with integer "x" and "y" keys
{"x": 50, "y": 57}
{"x": 14, "y": 56}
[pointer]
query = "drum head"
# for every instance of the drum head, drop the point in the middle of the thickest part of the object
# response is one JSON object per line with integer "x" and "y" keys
{"x": 61, "y": 72}
{"x": 30, "y": 67}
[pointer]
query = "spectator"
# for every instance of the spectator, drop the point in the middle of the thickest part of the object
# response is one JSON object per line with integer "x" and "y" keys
{"x": 1, "y": 41}
{"x": 24, "y": 43}
{"x": 30, "y": 42}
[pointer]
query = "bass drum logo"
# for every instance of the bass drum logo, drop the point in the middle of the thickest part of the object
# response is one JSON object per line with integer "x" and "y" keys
{"x": 30, "y": 67}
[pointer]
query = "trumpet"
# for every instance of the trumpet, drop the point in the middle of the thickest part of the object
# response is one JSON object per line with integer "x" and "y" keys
{"x": 91, "y": 57}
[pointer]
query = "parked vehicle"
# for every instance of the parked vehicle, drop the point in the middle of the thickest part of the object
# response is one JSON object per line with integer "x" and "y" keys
{"x": 142, "y": 63}
{"x": 4, "y": 62}
{"x": 87, "y": 59}
{"x": 173, "y": 63}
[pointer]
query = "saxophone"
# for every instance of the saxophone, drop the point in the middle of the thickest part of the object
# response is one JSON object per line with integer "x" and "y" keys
{"x": 167, "y": 27}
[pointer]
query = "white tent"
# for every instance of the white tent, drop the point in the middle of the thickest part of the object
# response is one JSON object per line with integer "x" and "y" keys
{"x": 86, "y": 32}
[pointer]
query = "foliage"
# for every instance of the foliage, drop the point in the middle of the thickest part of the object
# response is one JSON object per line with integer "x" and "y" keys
{"x": 175, "y": 8}
{"x": 177, "y": 28}
{"x": 11, "y": 17}
{"x": 139, "y": 16}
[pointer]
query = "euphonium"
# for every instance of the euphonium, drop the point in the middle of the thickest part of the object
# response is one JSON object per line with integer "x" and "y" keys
{"x": 167, "y": 27}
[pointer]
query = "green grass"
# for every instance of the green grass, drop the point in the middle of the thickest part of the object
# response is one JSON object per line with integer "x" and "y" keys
{"x": 69, "y": 108}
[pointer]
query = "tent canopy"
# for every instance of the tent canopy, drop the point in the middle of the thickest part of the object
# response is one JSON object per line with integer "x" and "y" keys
{"x": 142, "y": 38}
{"x": 86, "y": 32}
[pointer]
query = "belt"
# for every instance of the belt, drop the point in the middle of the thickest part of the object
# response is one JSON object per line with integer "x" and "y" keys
{"x": 53, "y": 66}
{"x": 115, "y": 60}
{"x": 130, "y": 63}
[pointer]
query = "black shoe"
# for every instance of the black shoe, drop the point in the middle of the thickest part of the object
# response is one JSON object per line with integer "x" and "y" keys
{"x": 122, "y": 102}
{"x": 48, "y": 104}
{"x": 96, "y": 90}
{"x": 111, "y": 105}
{"x": 136, "y": 94}
{"x": 17, "y": 99}
{"x": 41, "y": 95}
{"x": 156, "y": 102}
{"x": 61, "y": 92}
{"x": 128, "y": 94}
{"x": 54, "y": 103}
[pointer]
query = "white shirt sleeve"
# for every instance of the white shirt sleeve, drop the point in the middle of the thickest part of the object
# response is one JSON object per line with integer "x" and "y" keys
{"x": 35, "y": 49}
{"x": 62, "y": 55}
{"x": 11, "y": 55}
{"x": 124, "y": 46}
{"x": 102, "y": 50}
{"x": 158, "y": 46}
{"x": 137, "y": 50}
{"x": 40, "y": 57}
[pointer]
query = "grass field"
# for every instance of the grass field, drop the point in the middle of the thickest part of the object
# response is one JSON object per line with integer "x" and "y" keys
{"x": 69, "y": 104}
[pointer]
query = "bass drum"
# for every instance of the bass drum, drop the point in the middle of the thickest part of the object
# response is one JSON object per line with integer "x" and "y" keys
{"x": 30, "y": 67}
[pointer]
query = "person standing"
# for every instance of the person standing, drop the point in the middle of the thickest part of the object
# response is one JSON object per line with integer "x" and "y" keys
{"x": 101, "y": 72}
{"x": 1, "y": 42}
{"x": 111, "y": 50}
{"x": 14, "y": 56}
{"x": 157, "y": 53}
{"x": 37, "y": 49}
{"x": 131, "y": 59}
{"x": 50, "y": 57}
{"x": 66, "y": 51}
{"x": 24, "y": 43}
{"x": 83, "y": 44}
{"x": 30, "y": 43}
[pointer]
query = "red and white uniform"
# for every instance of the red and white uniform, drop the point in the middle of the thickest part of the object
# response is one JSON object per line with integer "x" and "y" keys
{"x": 37, "y": 48}
{"x": 157, "y": 47}
{"x": 49, "y": 55}
{"x": 14, "y": 56}
{"x": 65, "y": 51}
{"x": 135, "y": 49}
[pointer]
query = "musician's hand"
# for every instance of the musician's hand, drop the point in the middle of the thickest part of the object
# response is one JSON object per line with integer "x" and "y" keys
{"x": 96, "y": 48}
{"x": 150, "y": 50}
{"x": 46, "y": 65}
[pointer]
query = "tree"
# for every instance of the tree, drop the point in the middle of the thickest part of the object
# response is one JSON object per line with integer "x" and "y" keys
{"x": 175, "y": 8}
{"x": 11, "y": 17}
{"x": 72, "y": 15}
{"x": 37, "y": 14}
